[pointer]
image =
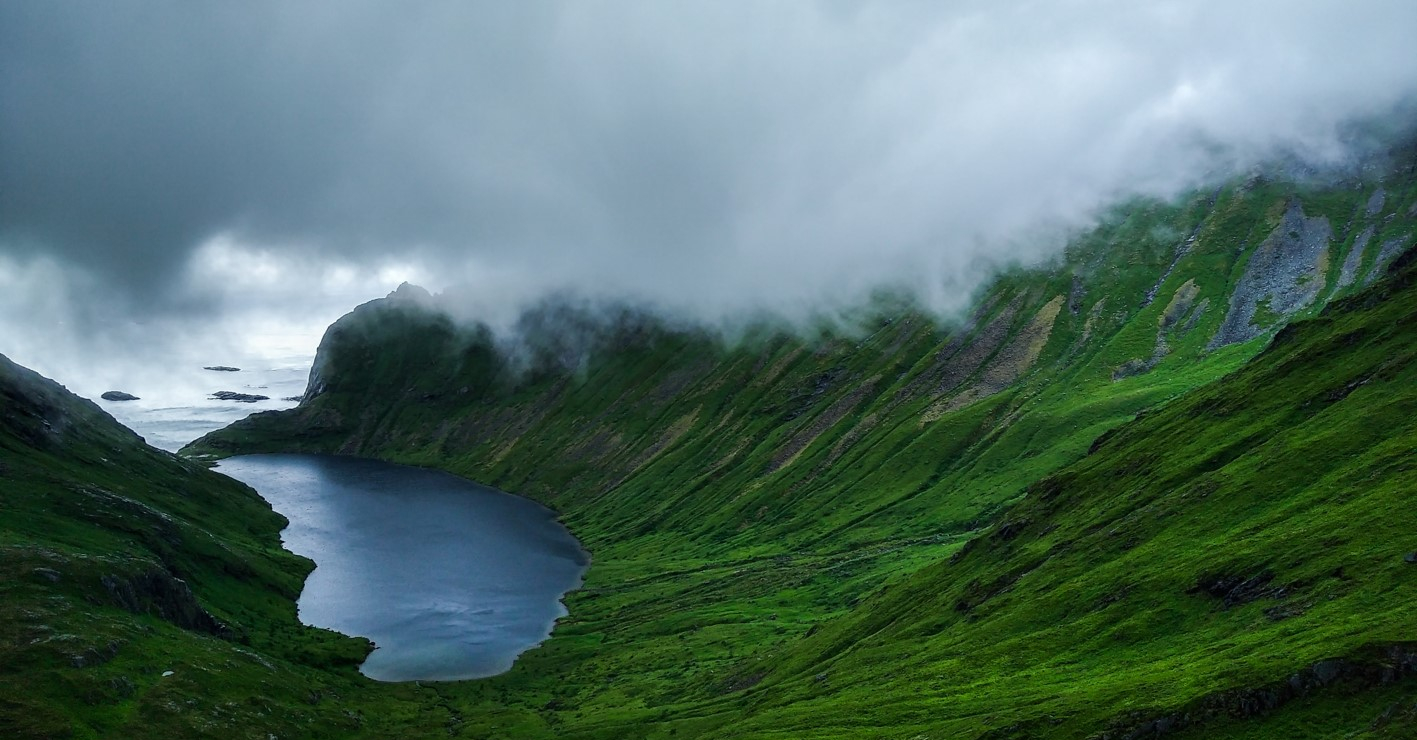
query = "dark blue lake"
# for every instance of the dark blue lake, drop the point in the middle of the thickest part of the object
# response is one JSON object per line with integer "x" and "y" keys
{"x": 451, "y": 579}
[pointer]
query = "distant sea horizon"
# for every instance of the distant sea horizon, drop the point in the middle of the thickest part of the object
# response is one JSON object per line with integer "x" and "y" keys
{"x": 177, "y": 408}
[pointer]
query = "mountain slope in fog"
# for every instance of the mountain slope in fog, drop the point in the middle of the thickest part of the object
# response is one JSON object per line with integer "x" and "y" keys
{"x": 779, "y": 524}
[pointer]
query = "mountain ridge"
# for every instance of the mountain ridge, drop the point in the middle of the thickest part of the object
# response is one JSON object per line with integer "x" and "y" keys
{"x": 768, "y": 496}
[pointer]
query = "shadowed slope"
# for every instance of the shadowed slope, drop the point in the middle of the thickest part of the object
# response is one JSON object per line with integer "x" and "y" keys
{"x": 119, "y": 562}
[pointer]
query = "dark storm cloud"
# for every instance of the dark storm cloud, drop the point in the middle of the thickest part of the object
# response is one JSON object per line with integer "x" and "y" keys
{"x": 713, "y": 156}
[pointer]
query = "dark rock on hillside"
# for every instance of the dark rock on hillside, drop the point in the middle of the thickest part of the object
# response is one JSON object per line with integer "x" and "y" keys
{"x": 96, "y": 656}
{"x": 223, "y": 368}
{"x": 1173, "y": 322}
{"x": 1234, "y": 590}
{"x": 118, "y": 396}
{"x": 1131, "y": 368}
{"x": 122, "y": 686}
{"x": 1390, "y": 664}
{"x": 239, "y": 397}
{"x": 1010, "y": 530}
{"x": 158, "y": 593}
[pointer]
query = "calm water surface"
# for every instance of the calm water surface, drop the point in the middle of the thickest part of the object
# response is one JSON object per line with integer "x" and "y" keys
{"x": 451, "y": 579}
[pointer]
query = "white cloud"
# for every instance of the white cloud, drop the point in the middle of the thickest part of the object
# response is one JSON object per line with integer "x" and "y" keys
{"x": 281, "y": 162}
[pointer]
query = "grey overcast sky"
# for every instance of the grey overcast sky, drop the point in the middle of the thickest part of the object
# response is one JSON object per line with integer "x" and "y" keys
{"x": 187, "y": 165}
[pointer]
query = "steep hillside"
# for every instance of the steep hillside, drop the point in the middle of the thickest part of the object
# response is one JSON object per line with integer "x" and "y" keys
{"x": 780, "y": 443}
{"x": 142, "y": 595}
{"x": 1240, "y": 548}
{"x": 777, "y": 523}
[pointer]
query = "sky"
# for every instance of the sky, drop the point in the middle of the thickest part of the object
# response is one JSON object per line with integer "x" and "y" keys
{"x": 189, "y": 182}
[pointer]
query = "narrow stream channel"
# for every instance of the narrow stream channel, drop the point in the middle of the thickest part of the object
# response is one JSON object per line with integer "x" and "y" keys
{"x": 450, "y": 579}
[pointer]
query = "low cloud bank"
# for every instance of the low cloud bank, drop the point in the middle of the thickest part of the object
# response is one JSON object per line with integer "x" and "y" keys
{"x": 203, "y": 172}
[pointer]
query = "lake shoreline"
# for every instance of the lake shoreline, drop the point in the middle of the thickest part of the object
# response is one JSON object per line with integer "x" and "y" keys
{"x": 450, "y": 580}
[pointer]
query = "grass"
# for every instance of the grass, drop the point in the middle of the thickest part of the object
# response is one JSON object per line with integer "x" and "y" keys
{"x": 897, "y": 530}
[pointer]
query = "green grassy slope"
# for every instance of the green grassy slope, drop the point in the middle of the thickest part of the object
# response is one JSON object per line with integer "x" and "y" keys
{"x": 119, "y": 562}
{"x": 775, "y": 523}
{"x": 1228, "y": 539}
{"x": 780, "y": 443}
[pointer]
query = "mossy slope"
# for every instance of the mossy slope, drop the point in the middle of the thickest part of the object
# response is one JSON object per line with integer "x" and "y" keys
{"x": 119, "y": 562}
{"x": 773, "y": 520}
{"x": 779, "y": 524}
{"x": 1228, "y": 539}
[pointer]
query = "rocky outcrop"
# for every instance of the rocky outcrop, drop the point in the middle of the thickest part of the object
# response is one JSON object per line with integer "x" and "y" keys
{"x": 1284, "y": 275}
{"x": 1182, "y": 249}
{"x": 1009, "y": 364}
{"x": 1180, "y": 304}
{"x": 1392, "y": 664}
{"x": 821, "y": 423}
{"x": 1376, "y": 202}
{"x": 1391, "y": 249}
{"x": 158, "y": 593}
{"x": 1018, "y": 356}
{"x": 239, "y": 397}
{"x": 1354, "y": 260}
{"x": 1173, "y": 320}
{"x": 223, "y": 368}
{"x": 118, "y": 396}
{"x": 1235, "y": 590}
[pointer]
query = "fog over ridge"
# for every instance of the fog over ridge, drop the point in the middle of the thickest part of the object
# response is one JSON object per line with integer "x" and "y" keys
{"x": 195, "y": 172}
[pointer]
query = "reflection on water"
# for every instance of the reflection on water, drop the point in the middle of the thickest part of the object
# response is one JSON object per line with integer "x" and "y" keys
{"x": 451, "y": 579}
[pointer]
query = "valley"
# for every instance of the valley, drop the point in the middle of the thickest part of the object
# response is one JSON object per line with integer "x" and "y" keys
{"x": 708, "y": 371}
{"x": 780, "y": 526}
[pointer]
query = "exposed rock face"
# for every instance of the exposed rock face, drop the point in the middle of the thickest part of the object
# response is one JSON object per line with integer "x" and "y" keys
{"x": 1376, "y": 203}
{"x": 1173, "y": 320}
{"x": 118, "y": 396}
{"x": 158, "y": 593}
{"x": 1285, "y": 275}
{"x": 1018, "y": 356}
{"x": 1134, "y": 367}
{"x": 1354, "y": 260}
{"x": 1235, "y": 590}
{"x": 239, "y": 397}
{"x": 824, "y": 421}
{"x": 1006, "y": 365}
{"x": 1391, "y": 249}
{"x": 1181, "y": 303}
{"x": 1182, "y": 249}
{"x": 964, "y": 354}
{"x": 223, "y": 368}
